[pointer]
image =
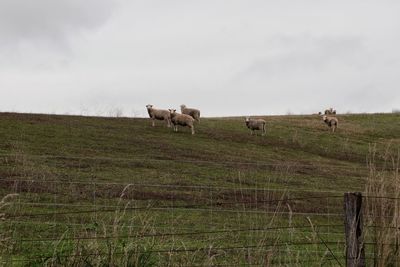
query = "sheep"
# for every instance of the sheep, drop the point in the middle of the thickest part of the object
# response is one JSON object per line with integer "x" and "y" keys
{"x": 332, "y": 122}
{"x": 181, "y": 119}
{"x": 159, "y": 114}
{"x": 194, "y": 113}
{"x": 256, "y": 124}
{"x": 330, "y": 111}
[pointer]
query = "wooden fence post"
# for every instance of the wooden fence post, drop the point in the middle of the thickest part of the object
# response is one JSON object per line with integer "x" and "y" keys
{"x": 353, "y": 221}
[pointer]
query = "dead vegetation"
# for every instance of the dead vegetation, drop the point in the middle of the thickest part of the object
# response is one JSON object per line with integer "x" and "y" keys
{"x": 382, "y": 208}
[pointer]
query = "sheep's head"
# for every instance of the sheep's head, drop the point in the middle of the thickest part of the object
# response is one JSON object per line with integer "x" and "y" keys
{"x": 149, "y": 106}
{"x": 324, "y": 118}
{"x": 247, "y": 121}
{"x": 183, "y": 106}
{"x": 172, "y": 111}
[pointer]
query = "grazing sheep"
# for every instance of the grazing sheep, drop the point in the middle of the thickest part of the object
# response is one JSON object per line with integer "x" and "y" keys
{"x": 332, "y": 122}
{"x": 181, "y": 119}
{"x": 256, "y": 124}
{"x": 159, "y": 114}
{"x": 194, "y": 113}
{"x": 330, "y": 111}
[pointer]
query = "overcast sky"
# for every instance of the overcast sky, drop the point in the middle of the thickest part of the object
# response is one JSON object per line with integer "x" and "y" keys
{"x": 225, "y": 57}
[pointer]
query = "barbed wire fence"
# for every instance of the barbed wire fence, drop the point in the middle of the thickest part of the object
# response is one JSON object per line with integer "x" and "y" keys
{"x": 319, "y": 228}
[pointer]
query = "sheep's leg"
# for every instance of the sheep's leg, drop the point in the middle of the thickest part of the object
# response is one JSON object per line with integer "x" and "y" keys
{"x": 152, "y": 122}
{"x": 192, "y": 129}
{"x": 168, "y": 123}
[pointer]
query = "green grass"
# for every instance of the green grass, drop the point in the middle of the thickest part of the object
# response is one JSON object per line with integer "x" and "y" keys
{"x": 220, "y": 178}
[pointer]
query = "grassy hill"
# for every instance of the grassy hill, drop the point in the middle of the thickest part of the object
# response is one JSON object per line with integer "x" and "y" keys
{"x": 107, "y": 188}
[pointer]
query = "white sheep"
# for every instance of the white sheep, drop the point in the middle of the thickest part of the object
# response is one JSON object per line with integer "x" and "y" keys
{"x": 256, "y": 124}
{"x": 330, "y": 111}
{"x": 181, "y": 119}
{"x": 194, "y": 113}
{"x": 159, "y": 114}
{"x": 332, "y": 122}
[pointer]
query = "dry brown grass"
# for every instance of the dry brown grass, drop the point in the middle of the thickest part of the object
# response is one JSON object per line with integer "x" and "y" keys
{"x": 6, "y": 240}
{"x": 382, "y": 208}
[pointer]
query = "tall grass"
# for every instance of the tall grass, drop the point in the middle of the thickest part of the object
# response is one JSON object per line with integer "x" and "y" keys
{"x": 104, "y": 248}
{"x": 6, "y": 235}
{"x": 99, "y": 245}
{"x": 382, "y": 207}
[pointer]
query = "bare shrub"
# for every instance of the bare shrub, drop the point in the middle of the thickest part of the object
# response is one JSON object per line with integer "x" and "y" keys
{"x": 116, "y": 112}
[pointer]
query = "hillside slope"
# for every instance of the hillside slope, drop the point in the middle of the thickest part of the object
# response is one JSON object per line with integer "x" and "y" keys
{"x": 130, "y": 150}
{"x": 72, "y": 163}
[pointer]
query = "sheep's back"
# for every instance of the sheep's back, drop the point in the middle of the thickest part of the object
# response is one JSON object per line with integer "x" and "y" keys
{"x": 331, "y": 121}
{"x": 182, "y": 119}
{"x": 161, "y": 113}
{"x": 190, "y": 111}
{"x": 256, "y": 124}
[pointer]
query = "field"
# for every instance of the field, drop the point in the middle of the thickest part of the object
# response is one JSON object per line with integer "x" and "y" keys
{"x": 92, "y": 191}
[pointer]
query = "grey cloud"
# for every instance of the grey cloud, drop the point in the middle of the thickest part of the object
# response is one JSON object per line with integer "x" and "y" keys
{"x": 225, "y": 57}
{"x": 311, "y": 72}
{"x": 49, "y": 20}
{"x": 304, "y": 53}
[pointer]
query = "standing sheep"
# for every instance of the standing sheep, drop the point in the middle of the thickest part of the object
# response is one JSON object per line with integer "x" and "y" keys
{"x": 194, "y": 113}
{"x": 332, "y": 122}
{"x": 159, "y": 114}
{"x": 181, "y": 119}
{"x": 256, "y": 124}
{"x": 330, "y": 111}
